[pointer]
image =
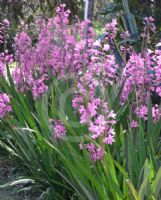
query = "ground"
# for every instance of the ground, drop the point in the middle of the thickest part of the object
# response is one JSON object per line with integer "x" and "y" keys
{"x": 6, "y": 175}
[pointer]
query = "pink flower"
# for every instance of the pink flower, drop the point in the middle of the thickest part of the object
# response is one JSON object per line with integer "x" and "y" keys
{"x": 5, "y": 106}
{"x": 156, "y": 113}
{"x": 100, "y": 120}
{"x": 106, "y": 47}
{"x": 111, "y": 29}
{"x": 84, "y": 115}
{"x": 112, "y": 114}
{"x": 2, "y": 66}
{"x": 4, "y": 31}
{"x": 142, "y": 112}
{"x": 109, "y": 139}
{"x": 95, "y": 153}
{"x": 111, "y": 131}
{"x": 136, "y": 75}
{"x": 149, "y": 24}
{"x": 158, "y": 90}
{"x": 97, "y": 43}
{"x": 39, "y": 88}
{"x": 59, "y": 130}
{"x": 149, "y": 28}
{"x": 134, "y": 124}
{"x": 92, "y": 109}
{"x": 6, "y": 22}
{"x": 125, "y": 35}
{"x": 80, "y": 146}
{"x": 77, "y": 101}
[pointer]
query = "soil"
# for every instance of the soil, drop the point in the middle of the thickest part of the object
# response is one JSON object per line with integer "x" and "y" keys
{"x": 6, "y": 175}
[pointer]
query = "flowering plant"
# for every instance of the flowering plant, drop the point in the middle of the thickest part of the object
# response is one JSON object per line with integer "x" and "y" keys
{"x": 79, "y": 108}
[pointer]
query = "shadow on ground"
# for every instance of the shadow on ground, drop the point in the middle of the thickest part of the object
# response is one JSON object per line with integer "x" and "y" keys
{"x": 6, "y": 175}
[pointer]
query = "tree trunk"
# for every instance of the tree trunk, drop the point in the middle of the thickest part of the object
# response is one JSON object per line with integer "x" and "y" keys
{"x": 91, "y": 10}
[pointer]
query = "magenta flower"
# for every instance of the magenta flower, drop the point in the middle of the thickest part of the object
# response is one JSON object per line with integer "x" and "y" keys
{"x": 125, "y": 35}
{"x": 156, "y": 113}
{"x": 2, "y": 67}
{"x": 59, "y": 130}
{"x": 100, "y": 120}
{"x": 58, "y": 52}
{"x": 5, "y": 106}
{"x": 92, "y": 109}
{"x": 149, "y": 24}
{"x": 96, "y": 130}
{"x": 84, "y": 115}
{"x": 39, "y": 88}
{"x": 111, "y": 29}
{"x": 6, "y": 22}
{"x": 142, "y": 112}
{"x": 4, "y": 31}
{"x": 134, "y": 124}
{"x": 77, "y": 101}
{"x": 158, "y": 90}
{"x": 149, "y": 28}
{"x": 95, "y": 153}
{"x": 109, "y": 139}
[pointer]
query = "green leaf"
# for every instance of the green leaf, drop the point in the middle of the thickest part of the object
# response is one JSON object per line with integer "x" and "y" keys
{"x": 20, "y": 181}
{"x": 157, "y": 184}
{"x": 145, "y": 186}
{"x": 133, "y": 191}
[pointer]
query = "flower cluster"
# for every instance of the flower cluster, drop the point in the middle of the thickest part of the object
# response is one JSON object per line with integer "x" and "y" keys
{"x": 2, "y": 67}
{"x": 58, "y": 51}
{"x": 142, "y": 112}
{"x": 149, "y": 28}
{"x": 137, "y": 77}
{"x": 39, "y": 87}
{"x": 4, "y": 26}
{"x": 157, "y": 71}
{"x": 142, "y": 77}
{"x": 4, "y": 55}
{"x": 93, "y": 108}
{"x": 111, "y": 29}
{"x": 125, "y": 35}
{"x": 5, "y": 106}
{"x": 59, "y": 129}
{"x": 96, "y": 153}
{"x": 156, "y": 113}
{"x": 134, "y": 124}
